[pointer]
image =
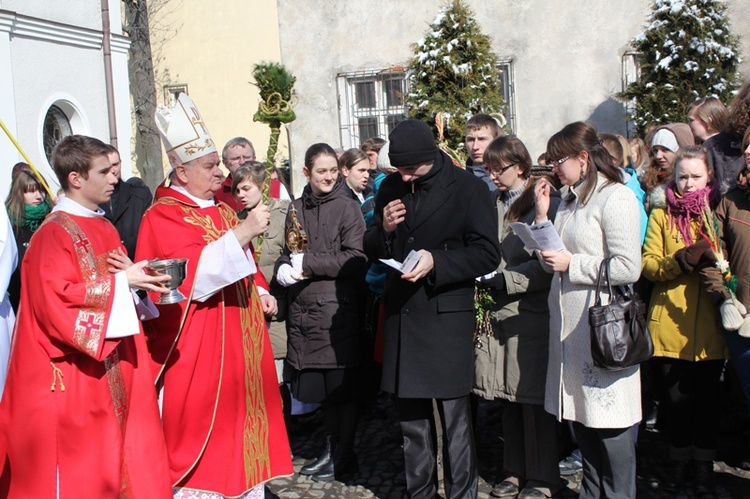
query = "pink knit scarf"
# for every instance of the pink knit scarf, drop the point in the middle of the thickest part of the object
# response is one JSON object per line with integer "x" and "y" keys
{"x": 682, "y": 210}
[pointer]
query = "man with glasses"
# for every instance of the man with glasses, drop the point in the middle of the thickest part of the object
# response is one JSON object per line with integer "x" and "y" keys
{"x": 481, "y": 129}
{"x": 236, "y": 152}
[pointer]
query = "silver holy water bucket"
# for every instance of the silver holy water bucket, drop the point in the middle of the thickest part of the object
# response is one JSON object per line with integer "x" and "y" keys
{"x": 177, "y": 269}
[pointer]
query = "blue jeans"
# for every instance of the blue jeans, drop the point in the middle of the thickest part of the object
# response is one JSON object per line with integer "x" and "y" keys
{"x": 739, "y": 349}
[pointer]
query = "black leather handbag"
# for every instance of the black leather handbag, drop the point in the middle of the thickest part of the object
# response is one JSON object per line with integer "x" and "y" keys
{"x": 619, "y": 335}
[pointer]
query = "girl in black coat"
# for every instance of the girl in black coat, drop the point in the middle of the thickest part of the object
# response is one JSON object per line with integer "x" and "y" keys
{"x": 324, "y": 323}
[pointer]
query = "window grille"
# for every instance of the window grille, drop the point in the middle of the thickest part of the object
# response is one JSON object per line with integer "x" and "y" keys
{"x": 371, "y": 103}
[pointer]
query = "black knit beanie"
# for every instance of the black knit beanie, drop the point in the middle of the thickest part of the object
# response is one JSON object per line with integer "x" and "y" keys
{"x": 411, "y": 143}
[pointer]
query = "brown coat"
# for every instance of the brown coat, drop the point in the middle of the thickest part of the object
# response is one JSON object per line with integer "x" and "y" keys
{"x": 733, "y": 213}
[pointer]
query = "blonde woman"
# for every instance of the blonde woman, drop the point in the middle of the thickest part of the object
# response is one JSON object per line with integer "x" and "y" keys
{"x": 706, "y": 117}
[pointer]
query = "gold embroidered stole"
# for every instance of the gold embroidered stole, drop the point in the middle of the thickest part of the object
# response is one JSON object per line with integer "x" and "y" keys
{"x": 256, "y": 438}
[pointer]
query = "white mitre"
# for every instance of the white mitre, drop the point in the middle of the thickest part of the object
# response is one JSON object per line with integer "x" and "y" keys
{"x": 183, "y": 133}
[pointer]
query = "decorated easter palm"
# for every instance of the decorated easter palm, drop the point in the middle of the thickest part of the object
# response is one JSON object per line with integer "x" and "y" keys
{"x": 275, "y": 84}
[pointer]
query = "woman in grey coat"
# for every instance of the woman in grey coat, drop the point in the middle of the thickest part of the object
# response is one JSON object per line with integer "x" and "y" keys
{"x": 511, "y": 361}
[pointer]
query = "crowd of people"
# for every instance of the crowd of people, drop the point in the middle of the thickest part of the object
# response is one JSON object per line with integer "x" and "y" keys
{"x": 395, "y": 272}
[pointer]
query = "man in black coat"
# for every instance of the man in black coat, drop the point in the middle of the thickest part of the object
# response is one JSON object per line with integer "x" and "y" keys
{"x": 127, "y": 205}
{"x": 447, "y": 216}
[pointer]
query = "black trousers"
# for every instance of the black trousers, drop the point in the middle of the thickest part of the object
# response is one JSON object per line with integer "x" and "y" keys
{"x": 691, "y": 406}
{"x": 418, "y": 426}
{"x": 531, "y": 445}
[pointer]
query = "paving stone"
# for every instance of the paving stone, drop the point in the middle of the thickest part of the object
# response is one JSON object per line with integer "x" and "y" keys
{"x": 380, "y": 456}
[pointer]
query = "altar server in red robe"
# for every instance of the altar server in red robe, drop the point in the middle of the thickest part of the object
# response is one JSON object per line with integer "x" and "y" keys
{"x": 79, "y": 415}
{"x": 221, "y": 406}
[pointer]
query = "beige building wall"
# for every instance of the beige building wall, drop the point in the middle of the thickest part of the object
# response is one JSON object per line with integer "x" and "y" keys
{"x": 566, "y": 56}
{"x": 213, "y": 50}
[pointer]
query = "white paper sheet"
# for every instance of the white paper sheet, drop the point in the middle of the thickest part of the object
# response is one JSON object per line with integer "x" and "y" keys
{"x": 539, "y": 237}
{"x": 407, "y": 266}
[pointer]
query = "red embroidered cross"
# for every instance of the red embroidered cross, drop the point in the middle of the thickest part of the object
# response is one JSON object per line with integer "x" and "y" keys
{"x": 86, "y": 322}
{"x": 81, "y": 243}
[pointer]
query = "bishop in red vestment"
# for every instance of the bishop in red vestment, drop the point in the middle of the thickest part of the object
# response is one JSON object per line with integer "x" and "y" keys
{"x": 79, "y": 415}
{"x": 221, "y": 406}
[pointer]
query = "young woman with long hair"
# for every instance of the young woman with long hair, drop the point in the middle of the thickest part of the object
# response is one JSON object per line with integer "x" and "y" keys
{"x": 27, "y": 205}
{"x": 597, "y": 219}
{"x": 511, "y": 359}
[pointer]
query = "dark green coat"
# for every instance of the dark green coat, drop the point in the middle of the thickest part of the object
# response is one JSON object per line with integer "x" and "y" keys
{"x": 512, "y": 363}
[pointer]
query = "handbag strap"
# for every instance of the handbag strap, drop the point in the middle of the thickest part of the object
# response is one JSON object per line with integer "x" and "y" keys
{"x": 603, "y": 272}
{"x": 609, "y": 281}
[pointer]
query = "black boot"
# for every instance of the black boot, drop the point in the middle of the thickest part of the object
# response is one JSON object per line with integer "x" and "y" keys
{"x": 704, "y": 478}
{"x": 320, "y": 462}
{"x": 343, "y": 465}
{"x": 678, "y": 473}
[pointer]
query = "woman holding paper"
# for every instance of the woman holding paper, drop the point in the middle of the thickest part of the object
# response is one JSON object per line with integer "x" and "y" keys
{"x": 597, "y": 219}
{"x": 326, "y": 285}
{"x": 511, "y": 358}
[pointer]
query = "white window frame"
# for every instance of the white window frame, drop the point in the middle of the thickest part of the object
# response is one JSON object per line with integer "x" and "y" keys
{"x": 350, "y": 112}
{"x": 630, "y": 73}
{"x": 172, "y": 91}
{"x": 508, "y": 88}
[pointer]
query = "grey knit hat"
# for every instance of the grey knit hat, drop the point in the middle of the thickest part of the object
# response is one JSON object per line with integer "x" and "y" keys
{"x": 384, "y": 164}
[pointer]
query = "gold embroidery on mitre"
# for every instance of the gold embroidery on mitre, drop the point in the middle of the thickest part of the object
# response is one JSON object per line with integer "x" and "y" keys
{"x": 191, "y": 149}
{"x": 196, "y": 119}
{"x": 89, "y": 325}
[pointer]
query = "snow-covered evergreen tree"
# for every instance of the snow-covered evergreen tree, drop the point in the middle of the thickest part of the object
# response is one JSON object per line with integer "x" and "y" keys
{"x": 688, "y": 52}
{"x": 454, "y": 72}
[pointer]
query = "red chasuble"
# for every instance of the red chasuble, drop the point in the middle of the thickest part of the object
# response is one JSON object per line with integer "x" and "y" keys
{"x": 77, "y": 405}
{"x": 221, "y": 405}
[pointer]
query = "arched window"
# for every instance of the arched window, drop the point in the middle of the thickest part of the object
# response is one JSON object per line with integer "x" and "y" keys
{"x": 56, "y": 127}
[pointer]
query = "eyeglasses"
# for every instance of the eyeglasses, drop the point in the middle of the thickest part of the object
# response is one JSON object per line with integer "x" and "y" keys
{"x": 240, "y": 159}
{"x": 557, "y": 162}
{"x": 501, "y": 170}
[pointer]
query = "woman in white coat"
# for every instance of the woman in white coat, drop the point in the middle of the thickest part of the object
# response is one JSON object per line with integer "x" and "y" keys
{"x": 598, "y": 218}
